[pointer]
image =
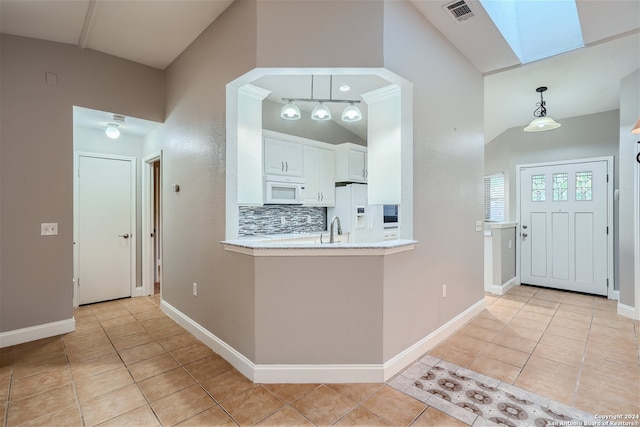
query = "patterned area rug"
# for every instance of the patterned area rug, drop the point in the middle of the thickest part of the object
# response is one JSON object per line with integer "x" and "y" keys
{"x": 479, "y": 400}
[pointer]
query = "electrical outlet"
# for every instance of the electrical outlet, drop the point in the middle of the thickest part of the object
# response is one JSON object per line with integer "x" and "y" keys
{"x": 195, "y": 289}
{"x": 283, "y": 220}
{"x": 49, "y": 229}
{"x": 444, "y": 291}
{"x": 510, "y": 243}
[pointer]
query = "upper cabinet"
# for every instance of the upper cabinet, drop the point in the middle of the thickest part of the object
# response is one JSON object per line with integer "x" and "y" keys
{"x": 319, "y": 176}
{"x": 351, "y": 163}
{"x": 283, "y": 157}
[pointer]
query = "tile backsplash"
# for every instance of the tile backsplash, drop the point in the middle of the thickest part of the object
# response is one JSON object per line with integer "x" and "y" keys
{"x": 265, "y": 220}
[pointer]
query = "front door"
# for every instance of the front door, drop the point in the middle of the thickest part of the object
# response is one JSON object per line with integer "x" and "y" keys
{"x": 105, "y": 237}
{"x": 564, "y": 226}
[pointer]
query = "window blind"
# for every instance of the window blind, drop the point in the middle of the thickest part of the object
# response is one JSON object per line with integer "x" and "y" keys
{"x": 494, "y": 198}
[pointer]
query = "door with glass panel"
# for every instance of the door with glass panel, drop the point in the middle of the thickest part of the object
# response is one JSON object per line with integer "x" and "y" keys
{"x": 564, "y": 226}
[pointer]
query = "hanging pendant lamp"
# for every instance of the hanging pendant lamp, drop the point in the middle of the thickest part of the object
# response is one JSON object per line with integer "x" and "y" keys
{"x": 321, "y": 112}
{"x": 351, "y": 114}
{"x": 290, "y": 111}
{"x": 636, "y": 128}
{"x": 541, "y": 121}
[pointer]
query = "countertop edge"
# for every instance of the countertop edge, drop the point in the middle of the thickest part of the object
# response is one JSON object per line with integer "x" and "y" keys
{"x": 337, "y": 249}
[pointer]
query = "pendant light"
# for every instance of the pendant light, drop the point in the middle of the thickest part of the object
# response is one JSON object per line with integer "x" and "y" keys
{"x": 351, "y": 114}
{"x": 321, "y": 112}
{"x": 541, "y": 121}
{"x": 290, "y": 111}
{"x": 636, "y": 128}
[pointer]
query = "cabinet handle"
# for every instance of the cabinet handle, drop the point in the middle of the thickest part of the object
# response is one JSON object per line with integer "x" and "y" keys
{"x": 318, "y": 196}
{"x": 322, "y": 198}
{"x": 287, "y": 167}
{"x": 282, "y": 169}
{"x": 363, "y": 174}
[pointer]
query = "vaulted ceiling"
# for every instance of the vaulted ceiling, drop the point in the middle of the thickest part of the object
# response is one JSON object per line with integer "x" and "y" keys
{"x": 155, "y": 32}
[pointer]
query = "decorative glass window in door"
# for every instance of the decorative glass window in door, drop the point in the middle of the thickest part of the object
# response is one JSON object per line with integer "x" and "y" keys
{"x": 538, "y": 188}
{"x": 584, "y": 186}
{"x": 560, "y": 183}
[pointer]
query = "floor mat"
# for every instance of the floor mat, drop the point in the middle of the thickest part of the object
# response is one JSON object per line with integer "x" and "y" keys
{"x": 479, "y": 400}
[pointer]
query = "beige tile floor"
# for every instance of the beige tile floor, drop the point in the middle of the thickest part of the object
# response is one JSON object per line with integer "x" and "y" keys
{"x": 570, "y": 347}
{"x": 129, "y": 364}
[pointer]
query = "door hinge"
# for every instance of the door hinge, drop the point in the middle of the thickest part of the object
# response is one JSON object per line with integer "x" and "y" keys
{"x": 607, "y": 283}
{"x": 607, "y": 229}
{"x": 607, "y": 177}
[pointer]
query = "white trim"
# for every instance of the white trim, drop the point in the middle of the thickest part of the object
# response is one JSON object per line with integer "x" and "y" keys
{"x": 37, "y": 332}
{"x": 628, "y": 311}
{"x": 231, "y": 355}
{"x": 615, "y": 295}
{"x": 504, "y": 288}
{"x": 411, "y": 354}
{"x": 135, "y": 290}
{"x": 609, "y": 160}
{"x": 334, "y": 373}
{"x": 147, "y": 219}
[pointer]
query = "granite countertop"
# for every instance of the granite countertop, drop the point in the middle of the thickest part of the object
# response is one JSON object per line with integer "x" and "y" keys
{"x": 290, "y": 244}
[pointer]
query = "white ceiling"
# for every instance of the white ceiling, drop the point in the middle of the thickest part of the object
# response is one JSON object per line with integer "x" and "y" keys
{"x": 155, "y": 32}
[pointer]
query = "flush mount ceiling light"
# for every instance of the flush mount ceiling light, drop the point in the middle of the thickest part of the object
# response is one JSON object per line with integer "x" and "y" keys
{"x": 113, "y": 128}
{"x": 321, "y": 112}
{"x": 541, "y": 121}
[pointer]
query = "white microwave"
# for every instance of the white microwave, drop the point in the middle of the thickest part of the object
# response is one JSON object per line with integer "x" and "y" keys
{"x": 282, "y": 190}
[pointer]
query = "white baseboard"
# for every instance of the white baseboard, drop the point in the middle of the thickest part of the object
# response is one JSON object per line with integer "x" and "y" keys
{"x": 628, "y": 311}
{"x": 231, "y": 355}
{"x": 504, "y": 288}
{"x": 38, "y": 332}
{"x": 298, "y": 374}
{"x": 411, "y": 354}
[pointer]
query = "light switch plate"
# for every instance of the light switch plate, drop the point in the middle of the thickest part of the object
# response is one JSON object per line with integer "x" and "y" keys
{"x": 49, "y": 229}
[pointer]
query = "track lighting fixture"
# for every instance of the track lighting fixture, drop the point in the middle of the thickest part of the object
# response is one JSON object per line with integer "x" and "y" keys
{"x": 321, "y": 111}
{"x": 541, "y": 121}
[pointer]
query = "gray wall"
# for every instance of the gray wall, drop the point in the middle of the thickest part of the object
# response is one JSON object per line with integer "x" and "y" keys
{"x": 95, "y": 141}
{"x": 629, "y": 191}
{"x": 448, "y": 137}
{"x": 36, "y": 163}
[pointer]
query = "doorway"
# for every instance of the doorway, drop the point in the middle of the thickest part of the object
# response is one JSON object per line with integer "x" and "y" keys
{"x": 565, "y": 220}
{"x": 152, "y": 223}
{"x": 105, "y": 240}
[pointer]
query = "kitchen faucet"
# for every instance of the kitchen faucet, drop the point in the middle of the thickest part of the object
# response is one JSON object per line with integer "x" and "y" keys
{"x": 335, "y": 218}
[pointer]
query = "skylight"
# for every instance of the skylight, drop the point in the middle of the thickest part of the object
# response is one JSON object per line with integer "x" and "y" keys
{"x": 537, "y": 29}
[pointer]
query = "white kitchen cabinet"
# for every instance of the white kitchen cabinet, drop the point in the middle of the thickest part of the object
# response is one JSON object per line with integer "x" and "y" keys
{"x": 283, "y": 157}
{"x": 351, "y": 163}
{"x": 319, "y": 176}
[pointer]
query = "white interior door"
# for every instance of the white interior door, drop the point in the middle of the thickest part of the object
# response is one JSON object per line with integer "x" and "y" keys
{"x": 564, "y": 226}
{"x": 105, "y": 236}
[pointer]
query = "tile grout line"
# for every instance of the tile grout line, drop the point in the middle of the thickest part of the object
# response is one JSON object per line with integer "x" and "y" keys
{"x": 582, "y": 360}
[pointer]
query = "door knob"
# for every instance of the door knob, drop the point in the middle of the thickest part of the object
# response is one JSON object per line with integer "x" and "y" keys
{"x": 524, "y": 226}
{"x": 126, "y": 236}
{"x": 524, "y": 234}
